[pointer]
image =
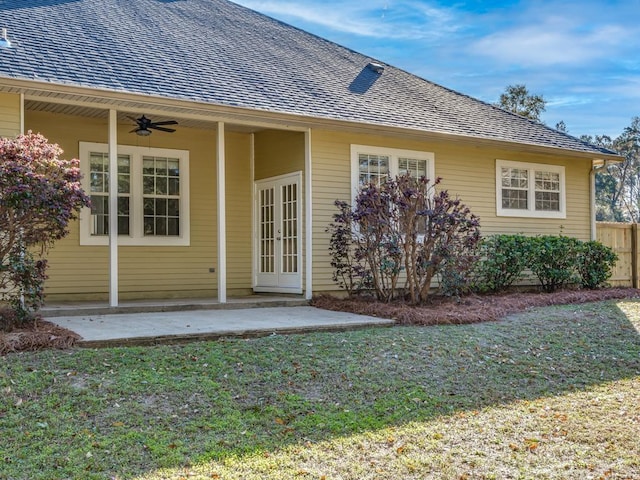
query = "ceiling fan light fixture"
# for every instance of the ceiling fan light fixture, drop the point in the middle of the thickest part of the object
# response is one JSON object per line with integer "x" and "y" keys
{"x": 145, "y": 125}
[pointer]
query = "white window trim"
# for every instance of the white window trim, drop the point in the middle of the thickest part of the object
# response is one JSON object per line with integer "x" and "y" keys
{"x": 136, "y": 235}
{"x": 394, "y": 154}
{"x": 531, "y": 211}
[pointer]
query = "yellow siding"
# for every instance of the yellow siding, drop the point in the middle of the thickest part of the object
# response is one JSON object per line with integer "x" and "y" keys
{"x": 277, "y": 153}
{"x": 82, "y": 272}
{"x": 467, "y": 171}
{"x": 9, "y": 114}
{"x": 239, "y": 222}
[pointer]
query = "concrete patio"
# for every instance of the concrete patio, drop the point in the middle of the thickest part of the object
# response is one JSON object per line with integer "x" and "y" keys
{"x": 157, "y": 327}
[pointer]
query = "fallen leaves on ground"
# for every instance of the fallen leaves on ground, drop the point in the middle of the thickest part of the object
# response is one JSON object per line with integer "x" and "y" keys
{"x": 468, "y": 309}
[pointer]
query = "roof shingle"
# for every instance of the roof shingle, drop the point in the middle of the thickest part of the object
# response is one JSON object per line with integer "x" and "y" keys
{"x": 217, "y": 52}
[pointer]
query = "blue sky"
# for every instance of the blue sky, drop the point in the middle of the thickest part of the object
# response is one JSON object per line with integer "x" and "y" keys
{"x": 582, "y": 56}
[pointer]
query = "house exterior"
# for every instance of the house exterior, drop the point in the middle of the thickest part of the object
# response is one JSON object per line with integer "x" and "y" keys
{"x": 273, "y": 125}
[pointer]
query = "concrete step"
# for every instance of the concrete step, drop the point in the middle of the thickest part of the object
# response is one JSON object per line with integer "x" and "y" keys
{"x": 146, "y": 306}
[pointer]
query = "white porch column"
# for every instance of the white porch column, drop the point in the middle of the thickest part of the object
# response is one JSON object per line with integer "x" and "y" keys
{"x": 222, "y": 218}
{"x": 22, "y": 114}
{"x": 113, "y": 208}
{"x": 308, "y": 216}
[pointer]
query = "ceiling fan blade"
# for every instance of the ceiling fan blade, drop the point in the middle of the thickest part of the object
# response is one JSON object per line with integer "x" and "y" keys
{"x": 162, "y": 129}
{"x": 132, "y": 118}
{"x": 135, "y": 130}
{"x": 166, "y": 122}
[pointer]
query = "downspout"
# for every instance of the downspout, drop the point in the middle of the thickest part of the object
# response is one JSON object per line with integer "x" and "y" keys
{"x": 592, "y": 194}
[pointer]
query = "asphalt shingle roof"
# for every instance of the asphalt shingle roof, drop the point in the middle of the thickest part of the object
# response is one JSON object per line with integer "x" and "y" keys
{"x": 217, "y": 52}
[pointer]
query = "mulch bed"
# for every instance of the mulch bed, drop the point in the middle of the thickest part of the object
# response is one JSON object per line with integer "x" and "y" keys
{"x": 468, "y": 309}
{"x": 36, "y": 335}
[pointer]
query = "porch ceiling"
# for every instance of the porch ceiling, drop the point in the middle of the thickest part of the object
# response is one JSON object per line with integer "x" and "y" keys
{"x": 92, "y": 112}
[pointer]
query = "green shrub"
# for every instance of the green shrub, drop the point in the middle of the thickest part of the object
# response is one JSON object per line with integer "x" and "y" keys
{"x": 594, "y": 263}
{"x": 503, "y": 258}
{"x": 553, "y": 260}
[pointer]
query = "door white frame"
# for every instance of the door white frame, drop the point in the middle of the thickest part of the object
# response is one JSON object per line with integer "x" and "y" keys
{"x": 295, "y": 177}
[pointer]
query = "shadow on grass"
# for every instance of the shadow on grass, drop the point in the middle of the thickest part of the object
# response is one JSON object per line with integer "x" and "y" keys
{"x": 130, "y": 411}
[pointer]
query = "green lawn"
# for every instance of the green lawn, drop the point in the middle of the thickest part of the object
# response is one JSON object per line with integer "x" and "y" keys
{"x": 553, "y": 393}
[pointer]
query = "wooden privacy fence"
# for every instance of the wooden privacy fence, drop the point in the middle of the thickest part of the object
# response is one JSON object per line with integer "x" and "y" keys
{"x": 623, "y": 239}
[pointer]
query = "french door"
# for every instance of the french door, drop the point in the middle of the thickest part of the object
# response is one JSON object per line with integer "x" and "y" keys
{"x": 278, "y": 249}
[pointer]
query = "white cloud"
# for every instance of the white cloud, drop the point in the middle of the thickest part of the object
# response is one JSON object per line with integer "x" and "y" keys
{"x": 571, "y": 37}
{"x": 397, "y": 20}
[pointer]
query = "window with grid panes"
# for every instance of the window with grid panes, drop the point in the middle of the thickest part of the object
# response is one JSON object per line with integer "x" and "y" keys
{"x": 161, "y": 195}
{"x": 372, "y": 164}
{"x": 152, "y": 195}
{"x": 530, "y": 189}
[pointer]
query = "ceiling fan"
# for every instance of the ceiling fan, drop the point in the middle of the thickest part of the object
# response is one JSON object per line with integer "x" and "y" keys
{"x": 145, "y": 125}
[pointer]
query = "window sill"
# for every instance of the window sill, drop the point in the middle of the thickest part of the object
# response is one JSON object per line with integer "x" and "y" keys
{"x": 530, "y": 214}
{"x": 138, "y": 242}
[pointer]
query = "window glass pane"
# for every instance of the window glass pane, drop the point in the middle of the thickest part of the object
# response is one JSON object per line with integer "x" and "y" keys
{"x": 174, "y": 167}
{"x": 161, "y": 186}
{"x": 148, "y": 226}
{"x": 123, "y": 206}
{"x": 173, "y": 226}
{"x": 372, "y": 169}
{"x": 99, "y": 215}
{"x": 173, "y": 208}
{"x": 174, "y": 186}
{"x": 515, "y": 178}
{"x": 161, "y": 226}
{"x": 517, "y": 199}
{"x": 161, "y": 207}
{"x": 123, "y": 216}
{"x": 161, "y": 167}
{"x": 123, "y": 183}
{"x": 548, "y": 201}
{"x": 148, "y": 185}
{"x": 149, "y": 206}
{"x": 123, "y": 225}
{"x": 548, "y": 181}
{"x": 414, "y": 167}
{"x": 148, "y": 166}
{"x": 99, "y": 182}
{"x": 124, "y": 164}
{"x": 98, "y": 172}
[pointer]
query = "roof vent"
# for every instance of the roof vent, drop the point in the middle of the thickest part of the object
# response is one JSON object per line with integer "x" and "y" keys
{"x": 376, "y": 67}
{"x": 4, "y": 41}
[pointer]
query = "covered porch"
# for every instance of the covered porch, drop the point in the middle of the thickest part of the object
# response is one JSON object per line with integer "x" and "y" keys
{"x": 244, "y": 206}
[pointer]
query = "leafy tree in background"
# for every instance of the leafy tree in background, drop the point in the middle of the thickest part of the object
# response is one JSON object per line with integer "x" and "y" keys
{"x": 562, "y": 127}
{"x": 517, "y": 99}
{"x": 618, "y": 184}
{"x": 39, "y": 195}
